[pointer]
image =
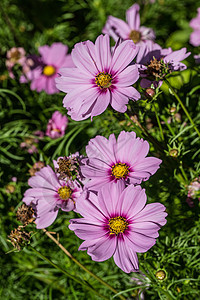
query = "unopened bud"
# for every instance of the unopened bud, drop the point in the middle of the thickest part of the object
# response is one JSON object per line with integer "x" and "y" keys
{"x": 174, "y": 152}
{"x": 150, "y": 93}
{"x": 172, "y": 110}
{"x": 161, "y": 275}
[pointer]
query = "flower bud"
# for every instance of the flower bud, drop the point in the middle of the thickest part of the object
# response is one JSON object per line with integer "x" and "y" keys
{"x": 174, "y": 152}
{"x": 161, "y": 274}
{"x": 150, "y": 93}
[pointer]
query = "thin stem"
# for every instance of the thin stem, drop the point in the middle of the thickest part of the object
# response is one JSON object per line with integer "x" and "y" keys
{"x": 158, "y": 120}
{"x": 151, "y": 138}
{"x": 80, "y": 265}
{"x": 67, "y": 274}
{"x": 182, "y": 105}
{"x": 183, "y": 172}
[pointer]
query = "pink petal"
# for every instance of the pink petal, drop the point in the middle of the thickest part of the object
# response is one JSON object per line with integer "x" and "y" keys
{"x": 103, "y": 54}
{"x": 128, "y": 76}
{"x": 101, "y": 103}
{"x": 139, "y": 242}
{"x": 103, "y": 249}
{"x": 133, "y": 17}
{"x": 153, "y": 212}
{"x": 125, "y": 258}
{"x": 45, "y": 215}
{"x": 119, "y": 101}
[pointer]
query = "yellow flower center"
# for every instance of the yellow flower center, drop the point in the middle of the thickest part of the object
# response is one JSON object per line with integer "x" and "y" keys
{"x": 120, "y": 170}
{"x": 64, "y": 192}
{"x": 49, "y": 70}
{"x": 117, "y": 225}
{"x": 135, "y": 36}
{"x": 103, "y": 80}
{"x": 15, "y": 56}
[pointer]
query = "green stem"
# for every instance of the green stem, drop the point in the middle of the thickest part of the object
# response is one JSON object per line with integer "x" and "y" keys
{"x": 67, "y": 274}
{"x": 183, "y": 172}
{"x": 145, "y": 132}
{"x": 158, "y": 120}
{"x": 182, "y": 105}
{"x": 80, "y": 265}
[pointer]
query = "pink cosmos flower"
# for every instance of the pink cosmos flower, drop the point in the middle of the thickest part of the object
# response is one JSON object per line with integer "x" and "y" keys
{"x": 117, "y": 28}
{"x": 117, "y": 223}
{"x": 195, "y": 35}
{"x": 43, "y": 74}
{"x": 57, "y": 125}
{"x": 114, "y": 160}
{"x": 47, "y": 194}
{"x": 99, "y": 79}
{"x": 156, "y": 62}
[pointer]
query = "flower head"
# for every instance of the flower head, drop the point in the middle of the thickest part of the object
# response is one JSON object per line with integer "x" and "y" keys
{"x": 195, "y": 35}
{"x": 114, "y": 160}
{"x": 99, "y": 79}
{"x": 117, "y": 223}
{"x": 15, "y": 56}
{"x": 47, "y": 194}
{"x": 46, "y": 69}
{"x": 56, "y": 125}
{"x": 156, "y": 63}
{"x": 131, "y": 30}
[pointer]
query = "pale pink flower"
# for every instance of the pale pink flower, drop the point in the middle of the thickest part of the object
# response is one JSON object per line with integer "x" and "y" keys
{"x": 99, "y": 79}
{"x": 57, "y": 125}
{"x": 195, "y": 35}
{"x": 15, "y": 56}
{"x": 117, "y": 223}
{"x": 131, "y": 30}
{"x": 114, "y": 160}
{"x": 46, "y": 69}
{"x": 47, "y": 194}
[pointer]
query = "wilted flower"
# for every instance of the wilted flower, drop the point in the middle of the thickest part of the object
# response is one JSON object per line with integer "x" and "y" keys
{"x": 194, "y": 189}
{"x": 36, "y": 167}
{"x": 19, "y": 238}
{"x": 195, "y": 35}
{"x": 17, "y": 56}
{"x": 10, "y": 188}
{"x": 114, "y": 160}
{"x": 47, "y": 194}
{"x": 69, "y": 166}
{"x": 25, "y": 214}
{"x": 44, "y": 72}
{"x": 156, "y": 63}
{"x": 99, "y": 79}
{"x": 117, "y": 28}
{"x": 30, "y": 143}
{"x": 56, "y": 125}
{"x": 117, "y": 223}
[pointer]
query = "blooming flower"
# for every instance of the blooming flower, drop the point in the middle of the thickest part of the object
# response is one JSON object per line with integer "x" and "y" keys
{"x": 114, "y": 160}
{"x": 117, "y": 28}
{"x": 156, "y": 62}
{"x": 117, "y": 223}
{"x": 56, "y": 125}
{"x": 99, "y": 79}
{"x": 47, "y": 194}
{"x": 43, "y": 74}
{"x": 195, "y": 35}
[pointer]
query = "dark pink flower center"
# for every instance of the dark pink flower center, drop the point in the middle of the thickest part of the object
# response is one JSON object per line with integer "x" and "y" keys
{"x": 117, "y": 225}
{"x": 120, "y": 170}
{"x": 103, "y": 80}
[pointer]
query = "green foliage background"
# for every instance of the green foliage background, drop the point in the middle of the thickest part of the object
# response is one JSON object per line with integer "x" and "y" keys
{"x": 30, "y": 24}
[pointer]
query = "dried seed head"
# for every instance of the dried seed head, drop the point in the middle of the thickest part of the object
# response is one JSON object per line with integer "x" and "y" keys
{"x": 68, "y": 167}
{"x": 19, "y": 238}
{"x": 25, "y": 214}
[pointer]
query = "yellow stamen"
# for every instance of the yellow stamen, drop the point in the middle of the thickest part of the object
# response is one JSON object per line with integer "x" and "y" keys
{"x": 135, "y": 36}
{"x": 120, "y": 170}
{"x": 103, "y": 80}
{"x": 49, "y": 70}
{"x": 117, "y": 225}
{"x": 64, "y": 192}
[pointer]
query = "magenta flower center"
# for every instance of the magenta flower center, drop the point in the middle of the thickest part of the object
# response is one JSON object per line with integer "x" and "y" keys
{"x": 120, "y": 170}
{"x": 135, "y": 36}
{"x": 103, "y": 80}
{"x": 49, "y": 70}
{"x": 64, "y": 192}
{"x": 117, "y": 225}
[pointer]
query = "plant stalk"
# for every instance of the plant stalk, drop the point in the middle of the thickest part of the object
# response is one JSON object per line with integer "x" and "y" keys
{"x": 80, "y": 265}
{"x": 182, "y": 105}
